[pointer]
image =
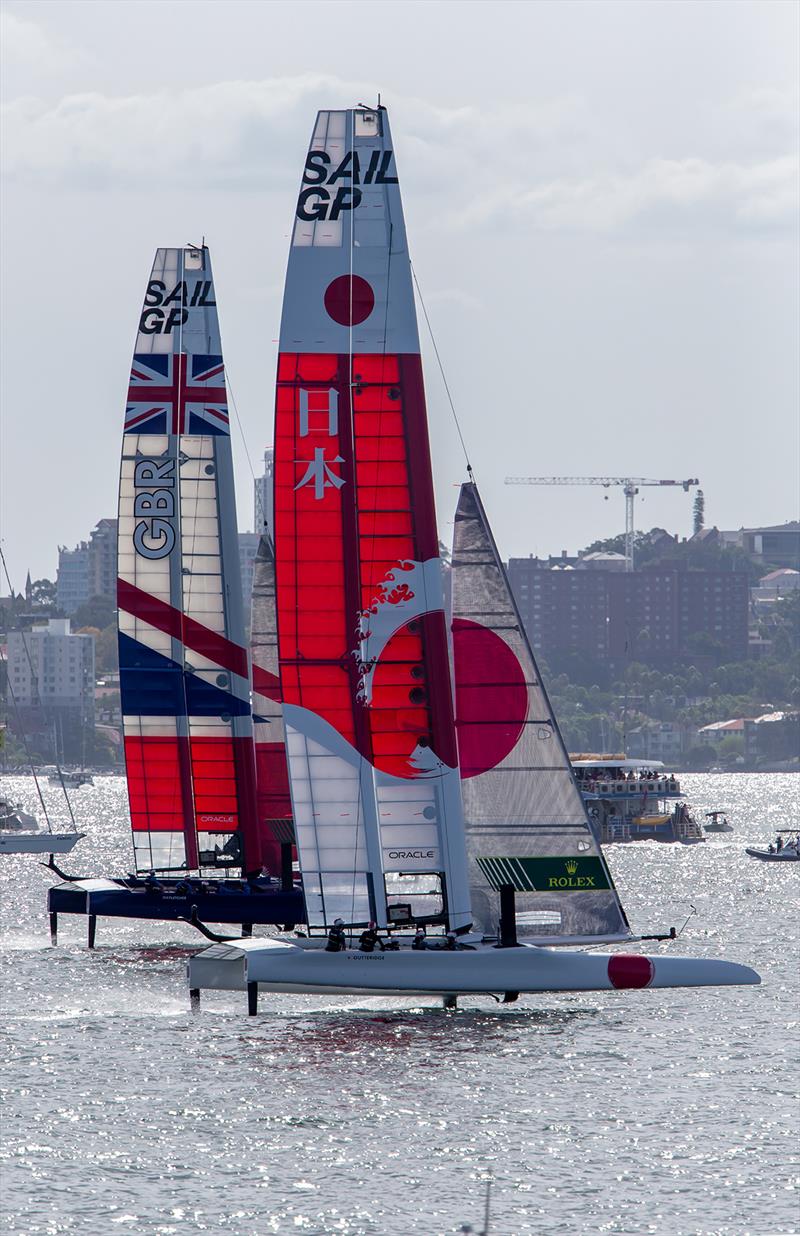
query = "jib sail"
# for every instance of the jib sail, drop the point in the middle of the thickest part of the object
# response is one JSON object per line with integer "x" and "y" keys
{"x": 526, "y": 824}
{"x": 184, "y": 672}
{"x": 362, "y": 637}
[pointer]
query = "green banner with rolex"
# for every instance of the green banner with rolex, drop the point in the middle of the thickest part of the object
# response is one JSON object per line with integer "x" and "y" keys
{"x": 545, "y": 875}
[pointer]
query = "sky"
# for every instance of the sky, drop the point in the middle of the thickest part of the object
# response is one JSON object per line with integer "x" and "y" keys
{"x": 602, "y": 208}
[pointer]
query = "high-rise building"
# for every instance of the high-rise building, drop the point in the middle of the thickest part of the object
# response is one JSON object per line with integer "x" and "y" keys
{"x": 263, "y": 495}
{"x": 52, "y": 674}
{"x": 72, "y": 580}
{"x": 651, "y": 614}
{"x": 248, "y": 545}
{"x": 103, "y": 559}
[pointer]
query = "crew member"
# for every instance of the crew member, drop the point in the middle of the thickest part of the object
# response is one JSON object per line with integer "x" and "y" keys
{"x": 336, "y": 941}
{"x": 420, "y": 941}
{"x": 369, "y": 938}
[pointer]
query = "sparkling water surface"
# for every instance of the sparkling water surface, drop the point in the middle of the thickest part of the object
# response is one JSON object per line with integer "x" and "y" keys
{"x": 633, "y": 1112}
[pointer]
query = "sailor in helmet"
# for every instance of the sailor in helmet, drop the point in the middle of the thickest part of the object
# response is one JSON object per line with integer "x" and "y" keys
{"x": 420, "y": 940}
{"x": 336, "y": 939}
{"x": 369, "y": 938}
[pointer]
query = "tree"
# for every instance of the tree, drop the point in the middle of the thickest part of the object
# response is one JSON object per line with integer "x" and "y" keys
{"x": 97, "y": 612}
{"x": 730, "y": 747}
{"x": 43, "y": 594}
{"x": 699, "y": 512}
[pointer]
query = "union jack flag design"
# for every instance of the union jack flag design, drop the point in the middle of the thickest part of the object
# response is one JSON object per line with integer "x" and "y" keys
{"x": 177, "y": 394}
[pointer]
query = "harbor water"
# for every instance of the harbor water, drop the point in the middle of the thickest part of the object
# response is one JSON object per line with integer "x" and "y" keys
{"x": 669, "y": 1112}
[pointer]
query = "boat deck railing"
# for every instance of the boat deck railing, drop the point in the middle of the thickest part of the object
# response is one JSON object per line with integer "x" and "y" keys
{"x": 659, "y": 787}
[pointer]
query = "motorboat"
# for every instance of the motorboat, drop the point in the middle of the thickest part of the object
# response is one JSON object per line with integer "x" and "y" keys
{"x": 782, "y": 851}
{"x": 71, "y": 780}
{"x": 718, "y": 822}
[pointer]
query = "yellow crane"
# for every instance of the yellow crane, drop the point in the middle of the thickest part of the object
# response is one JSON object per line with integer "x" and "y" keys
{"x": 630, "y": 487}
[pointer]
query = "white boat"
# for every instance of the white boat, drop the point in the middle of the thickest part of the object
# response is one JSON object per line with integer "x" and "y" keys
{"x": 718, "y": 822}
{"x": 413, "y": 812}
{"x": 20, "y": 833}
{"x": 71, "y": 780}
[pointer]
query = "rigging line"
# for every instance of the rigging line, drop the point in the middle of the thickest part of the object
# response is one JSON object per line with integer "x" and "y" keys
{"x": 25, "y": 743}
{"x": 238, "y": 422}
{"x": 441, "y": 370}
{"x": 36, "y": 699}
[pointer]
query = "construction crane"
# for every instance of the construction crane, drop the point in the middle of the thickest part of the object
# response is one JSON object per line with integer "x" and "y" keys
{"x": 630, "y": 487}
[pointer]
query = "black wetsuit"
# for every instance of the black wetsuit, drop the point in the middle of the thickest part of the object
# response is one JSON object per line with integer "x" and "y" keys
{"x": 368, "y": 939}
{"x": 336, "y": 941}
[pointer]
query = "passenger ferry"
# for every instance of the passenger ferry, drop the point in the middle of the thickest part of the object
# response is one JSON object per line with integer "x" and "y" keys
{"x": 634, "y": 800}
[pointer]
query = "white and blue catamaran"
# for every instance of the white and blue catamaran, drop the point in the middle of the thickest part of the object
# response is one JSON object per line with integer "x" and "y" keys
{"x": 444, "y": 849}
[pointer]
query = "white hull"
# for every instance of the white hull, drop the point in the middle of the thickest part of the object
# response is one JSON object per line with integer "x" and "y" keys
{"x": 280, "y": 966}
{"x": 38, "y": 843}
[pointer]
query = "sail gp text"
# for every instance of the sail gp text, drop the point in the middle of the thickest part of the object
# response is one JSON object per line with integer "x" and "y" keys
{"x": 165, "y": 308}
{"x": 154, "y": 535}
{"x": 325, "y": 198}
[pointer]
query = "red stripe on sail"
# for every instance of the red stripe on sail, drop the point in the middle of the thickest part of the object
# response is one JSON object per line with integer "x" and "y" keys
{"x": 193, "y": 634}
{"x": 266, "y": 684}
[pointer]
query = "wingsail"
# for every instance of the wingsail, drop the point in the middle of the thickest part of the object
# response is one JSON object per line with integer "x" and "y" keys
{"x": 362, "y": 634}
{"x": 184, "y": 672}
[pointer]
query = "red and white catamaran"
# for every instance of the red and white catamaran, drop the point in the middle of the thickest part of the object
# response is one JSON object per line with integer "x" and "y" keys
{"x": 406, "y": 815}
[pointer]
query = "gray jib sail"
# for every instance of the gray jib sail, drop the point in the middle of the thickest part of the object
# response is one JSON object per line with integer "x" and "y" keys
{"x": 526, "y": 823}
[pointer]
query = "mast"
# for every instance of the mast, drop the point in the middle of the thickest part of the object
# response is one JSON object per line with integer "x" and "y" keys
{"x": 526, "y": 822}
{"x": 184, "y": 673}
{"x": 361, "y": 630}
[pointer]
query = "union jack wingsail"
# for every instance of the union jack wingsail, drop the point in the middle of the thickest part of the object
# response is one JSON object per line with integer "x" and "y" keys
{"x": 362, "y": 636}
{"x": 184, "y": 673}
{"x": 526, "y": 823}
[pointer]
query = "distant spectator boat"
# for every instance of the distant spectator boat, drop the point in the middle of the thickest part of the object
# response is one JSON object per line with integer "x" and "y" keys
{"x": 634, "y": 800}
{"x": 71, "y": 780}
{"x": 20, "y": 833}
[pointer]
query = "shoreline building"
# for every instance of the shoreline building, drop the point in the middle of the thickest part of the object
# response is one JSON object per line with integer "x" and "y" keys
{"x": 52, "y": 673}
{"x": 72, "y": 577}
{"x": 263, "y": 488}
{"x": 651, "y": 614}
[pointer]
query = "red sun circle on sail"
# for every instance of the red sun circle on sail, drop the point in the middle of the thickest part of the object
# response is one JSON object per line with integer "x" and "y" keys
{"x": 491, "y": 697}
{"x": 349, "y": 300}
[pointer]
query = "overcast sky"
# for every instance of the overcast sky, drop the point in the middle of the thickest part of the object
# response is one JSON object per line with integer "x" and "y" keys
{"x": 601, "y": 201}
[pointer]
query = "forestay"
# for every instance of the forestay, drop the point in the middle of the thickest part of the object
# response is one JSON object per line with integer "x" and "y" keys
{"x": 526, "y": 824}
{"x": 184, "y": 671}
{"x": 362, "y": 635}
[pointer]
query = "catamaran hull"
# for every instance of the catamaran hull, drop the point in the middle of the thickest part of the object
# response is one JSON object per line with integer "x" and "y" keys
{"x": 38, "y": 843}
{"x": 278, "y": 966}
